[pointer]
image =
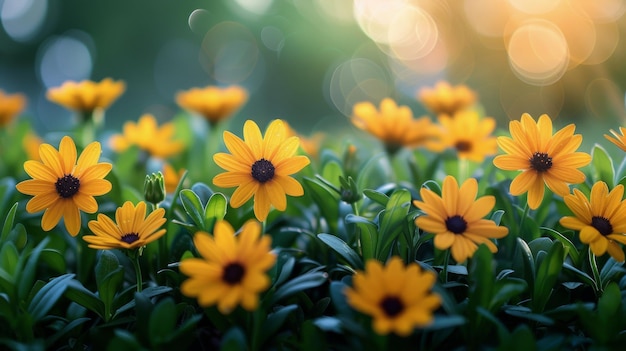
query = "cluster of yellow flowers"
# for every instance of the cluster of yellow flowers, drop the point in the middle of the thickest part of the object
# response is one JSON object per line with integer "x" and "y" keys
{"x": 233, "y": 269}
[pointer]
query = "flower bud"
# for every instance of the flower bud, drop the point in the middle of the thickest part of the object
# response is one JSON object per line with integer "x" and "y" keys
{"x": 154, "y": 188}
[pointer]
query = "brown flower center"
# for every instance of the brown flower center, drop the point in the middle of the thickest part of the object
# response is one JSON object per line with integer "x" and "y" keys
{"x": 67, "y": 186}
{"x": 263, "y": 170}
{"x": 463, "y": 146}
{"x": 540, "y": 162}
{"x": 130, "y": 238}
{"x": 456, "y": 224}
{"x": 602, "y": 224}
{"x": 392, "y": 306}
{"x": 233, "y": 273}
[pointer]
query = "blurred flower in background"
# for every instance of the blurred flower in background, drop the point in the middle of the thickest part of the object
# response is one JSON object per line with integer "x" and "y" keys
{"x": 213, "y": 103}
{"x": 148, "y": 136}
{"x": 86, "y": 96}
{"x": 11, "y": 105}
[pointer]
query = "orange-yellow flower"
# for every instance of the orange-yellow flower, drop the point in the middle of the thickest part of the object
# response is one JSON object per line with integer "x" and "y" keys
{"x": 444, "y": 99}
{"x": 232, "y": 270}
{"x": 171, "y": 177}
{"x": 542, "y": 157}
{"x": 213, "y": 103}
{"x": 261, "y": 167}
{"x": 86, "y": 96}
{"x": 393, "y": 125}
{"x": 398, "y": 298}
{"x": 11, "y": 105}
{"x": 618, "y": 139}
{"x": 63, "y": 186}
{"x": 468, "y": 134}
{"x": 149, "y": 137}
{"x": 601, "y": 220}
{"x": 31, "y": 143}
{"x": 310, "y": 145}
{"x": 456, "y": 218}
{"x": 133, "y": 229}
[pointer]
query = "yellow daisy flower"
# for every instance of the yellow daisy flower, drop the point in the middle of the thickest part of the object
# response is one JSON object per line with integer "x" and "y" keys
{"x": 11, "y": 105}
{"x": 444, "y": 99}
{"x": 601, "y": 220}
{"x": 213, "y": 103}
{"x": 468, "y": 134}
{"x": 398, "y": 298}
{"x": 64, "y": 187}
{"x": 149, "y": 137}
{"x": 171, "y": 177}
{"x": 618, "y": 139}
{"x": 542, "y": 158}
{"x": 86, "y": 96}
{"x": 131, "y": 229}
{"x": 456, "y": 218}
{"x": 232, "y": 270}
{"x": 393, "y": 125}
{"x": 261, "y": 167}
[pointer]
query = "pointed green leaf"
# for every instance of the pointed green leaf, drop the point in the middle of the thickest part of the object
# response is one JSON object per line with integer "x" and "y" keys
{"x": 193, "y": 206}
{"x": 342, "y": 249}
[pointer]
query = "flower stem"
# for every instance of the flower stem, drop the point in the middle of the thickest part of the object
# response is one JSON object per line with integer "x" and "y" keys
{"x": 595, "y": 272}
{"x": 135, "y": 260}
{"x": 446, "y": 261}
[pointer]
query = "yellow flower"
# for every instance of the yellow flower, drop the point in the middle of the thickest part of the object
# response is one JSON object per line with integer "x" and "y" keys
{"x": 310, "y": 145}
{"x": 456, "y": 218}
{"x": 393, "y": 125}
{"x": 261, "y": 167}
{"x": 171, "y": 177}
{"x": 213, "y": 103}
{"x": 619, "y": 140}
{"x": 542, "y": 158}
{"x": 64, "y": 187}
{"x": 444, "y": 99}
{"x": 133, "y": 229}
{"x": 86, "y": 96}
{"x": 147, "y": 136}
{"x": 398, "y": 298}
{"x": 469, "y": 135}
{"x": 232, "y": 270}
{"x": 11, "y": 105}
{"x": 600, "y": 220}
{"x": 31, "y": 143}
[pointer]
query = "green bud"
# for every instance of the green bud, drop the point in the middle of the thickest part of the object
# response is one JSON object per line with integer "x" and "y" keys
{"x": 349, "y": 191}
{"x": 154, "y": 188}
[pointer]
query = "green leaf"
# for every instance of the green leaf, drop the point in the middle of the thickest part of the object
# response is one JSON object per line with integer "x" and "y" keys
{"x": 300, "y": 283}
{"x": 27, "y": 274}
{"x": 376, "y": 196}
{"x": 342, "y": 249}
{"x": 610, "y": 269}
{"x": 326, "y": 200}
{"x": 367, "y": 235}
{"x": 481, "y": 277}
{"x": 505, "y": 290}
{"x": 393, "y": 220}
{"x": 602, "y": 165}
{"x": 79, "y": 294}
{"x": 47, "y": 296}
{"x": 8, "y": 223}
{"x": 528, "y": 263}
{"x": 162, "y": 321}
{"x": 215, "y": 211}
{"x": 146, "y": 293}
{"x": 571, "y": 249}
{"x": 9, "y": 259}
{"x": 584, "y": 277}
{"x": 331, "y": 172}
{"x": 445, "y": 322}
{"x": 234, "y": 340}
{"x": 284, "y": 269}
{"x": 275, "y": 321}
{"x": 109, "y": 277}
{"x": 547, "y": 274}
{"x": 193, "y": 206}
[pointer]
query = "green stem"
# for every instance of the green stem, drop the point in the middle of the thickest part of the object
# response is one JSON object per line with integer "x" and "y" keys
{"x": 463, "y": 169}
{"x": 523, "y": 218}
{"x": 355, "y": 209}
{"x": 595, "y": 272}
{"x": 135, "y": 261}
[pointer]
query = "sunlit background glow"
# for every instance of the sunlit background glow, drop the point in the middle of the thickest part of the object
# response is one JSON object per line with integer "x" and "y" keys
{"x": 309, "y": 62}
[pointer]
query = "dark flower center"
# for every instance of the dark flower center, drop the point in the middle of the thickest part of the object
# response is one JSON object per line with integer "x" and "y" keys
{"x": 263, "y": 170}
{"x": 233, "y": 273}
{"x": 540, "y": 162}
{"x": 463, "y": 146}
{"x": 67, "y": 186}
{"x": 602, "y": 225}
{"x": 130, "y": 238}
{"x": 392, "y": 306}
{"x": 456, "y": 224}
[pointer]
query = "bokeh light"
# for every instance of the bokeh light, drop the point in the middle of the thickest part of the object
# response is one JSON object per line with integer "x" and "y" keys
{"x": 22, "y": 19}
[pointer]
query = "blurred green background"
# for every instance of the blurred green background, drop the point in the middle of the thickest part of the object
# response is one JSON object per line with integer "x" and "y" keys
{"x": 309, "y": 61}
